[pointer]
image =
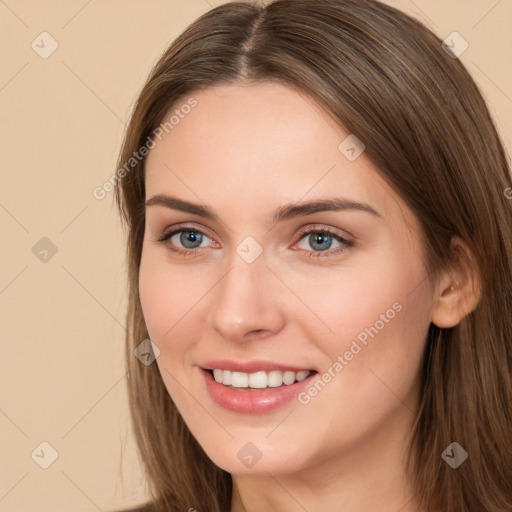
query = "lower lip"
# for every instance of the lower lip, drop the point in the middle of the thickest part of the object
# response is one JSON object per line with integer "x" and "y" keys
{"x": 256, "y": 401}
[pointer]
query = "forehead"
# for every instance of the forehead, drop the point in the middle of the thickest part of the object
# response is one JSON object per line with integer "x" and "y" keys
{"x": 257, "y": 119}
{"x": 266, "y": 141}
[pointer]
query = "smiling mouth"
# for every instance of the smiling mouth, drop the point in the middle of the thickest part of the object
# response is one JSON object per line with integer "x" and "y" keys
{"x": 242, "y": 381}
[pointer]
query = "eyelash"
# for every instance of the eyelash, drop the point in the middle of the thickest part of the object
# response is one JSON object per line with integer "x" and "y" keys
{"x": 346, "y": 244}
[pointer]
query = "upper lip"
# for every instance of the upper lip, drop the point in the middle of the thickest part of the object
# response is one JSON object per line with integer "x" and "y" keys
{"x": 255, "y": 365}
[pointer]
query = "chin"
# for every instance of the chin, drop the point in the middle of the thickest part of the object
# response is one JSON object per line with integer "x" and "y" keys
{"x": 244, "y": 457}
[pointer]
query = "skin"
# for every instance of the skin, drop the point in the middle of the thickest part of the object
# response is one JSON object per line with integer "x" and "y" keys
{"x": 244, "y": 151}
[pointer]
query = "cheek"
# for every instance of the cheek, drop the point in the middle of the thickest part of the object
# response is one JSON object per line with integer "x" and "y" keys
{"x": 372, "y": 362}
{"x": 156, "y": 301}
{"x": 381, "y": 320}
{"x": 167, "y": 295}
{"x": 378, "y": 318}
{"x": 351, "y": 300}
{"x": 169, "y": 298}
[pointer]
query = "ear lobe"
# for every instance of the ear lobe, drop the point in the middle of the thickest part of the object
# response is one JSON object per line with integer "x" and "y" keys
{"x": 458, "y": 289}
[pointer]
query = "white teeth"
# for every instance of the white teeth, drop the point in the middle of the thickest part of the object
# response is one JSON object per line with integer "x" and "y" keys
{"x": 302, "y": 375}
{"x": 274, "y": 379}
{"x": 259, "y": 380}
{"x": 239, "y": 379}
{"x": 288, "y": 378}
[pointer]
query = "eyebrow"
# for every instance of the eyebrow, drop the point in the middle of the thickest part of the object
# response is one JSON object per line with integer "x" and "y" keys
{"x": 282, "y": 213}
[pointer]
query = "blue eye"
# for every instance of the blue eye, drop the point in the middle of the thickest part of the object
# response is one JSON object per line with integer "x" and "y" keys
{"x": 321, "y": 239}
{"x": 190, "y": 239}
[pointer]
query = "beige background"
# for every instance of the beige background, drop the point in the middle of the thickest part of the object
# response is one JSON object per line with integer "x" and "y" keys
{"x": 62, "y": 321}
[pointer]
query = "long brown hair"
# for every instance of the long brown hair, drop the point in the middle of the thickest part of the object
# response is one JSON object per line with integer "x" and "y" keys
{"x": 386, "y": 78}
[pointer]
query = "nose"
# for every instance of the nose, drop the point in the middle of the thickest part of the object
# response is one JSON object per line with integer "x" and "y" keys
{"x": 247, "y": 302}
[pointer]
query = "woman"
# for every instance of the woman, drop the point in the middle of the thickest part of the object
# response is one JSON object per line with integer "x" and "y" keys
{"x": 320, "y": 251}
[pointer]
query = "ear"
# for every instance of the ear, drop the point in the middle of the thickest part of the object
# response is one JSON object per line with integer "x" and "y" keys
{"x": 458, "y": 289}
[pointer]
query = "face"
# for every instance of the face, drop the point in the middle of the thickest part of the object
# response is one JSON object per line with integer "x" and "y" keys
{"x": 251, "y": 281}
